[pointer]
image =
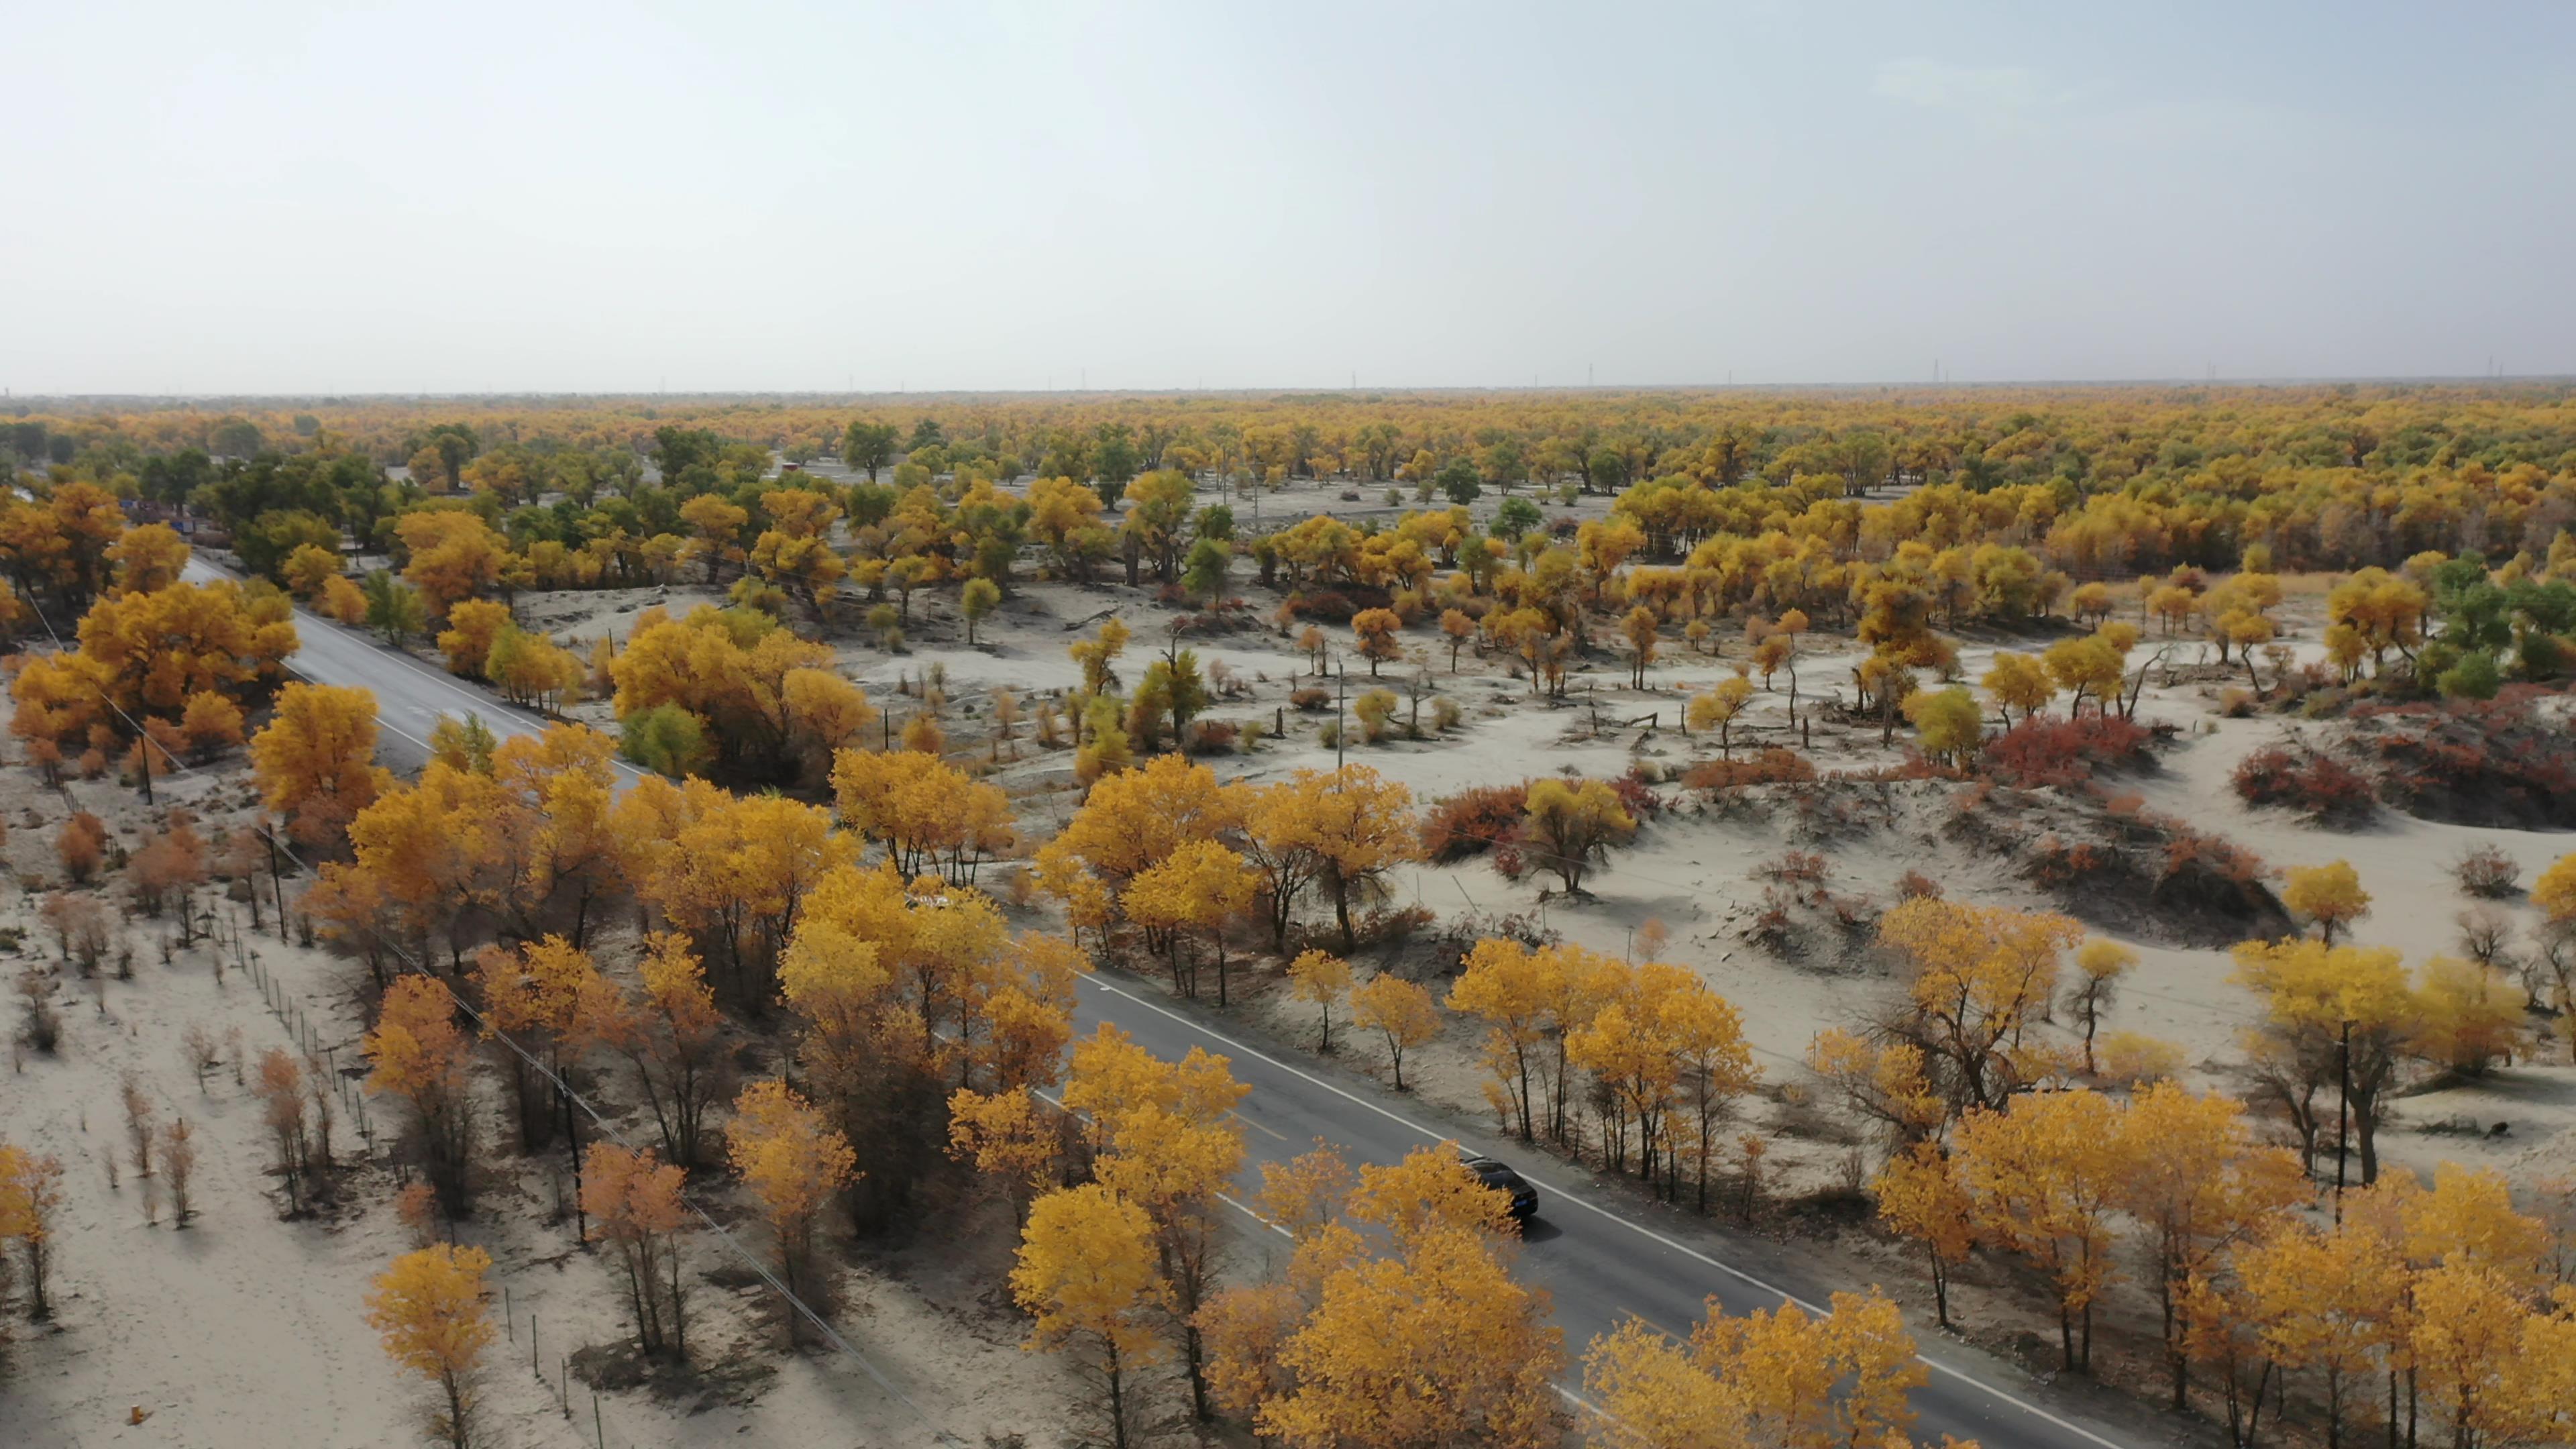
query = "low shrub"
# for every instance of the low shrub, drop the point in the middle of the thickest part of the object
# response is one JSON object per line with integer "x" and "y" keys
{"x": 1213, "y": 737}
{"x": 1472, "y": 822}
{"x": 1773, "y": 766}
{"x": 1801, "y": 867}
{"x": 2320, "y": 786}
{"x": 2060, "y": 752}
{"x": 1309, "y": 699}
{"x": 2058, "y": 865}
{"x": 1641, "y": 803}
{"x": 2482, "y": 762}
{"x": 1330, "y": 606}
{"x": 1915, "y": 885}
{"x": 2192, "y": 852}
{"x": 2487, "y": 873}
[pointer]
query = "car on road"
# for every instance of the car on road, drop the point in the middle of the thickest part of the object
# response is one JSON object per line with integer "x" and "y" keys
{"x": 1500, "y": 1177}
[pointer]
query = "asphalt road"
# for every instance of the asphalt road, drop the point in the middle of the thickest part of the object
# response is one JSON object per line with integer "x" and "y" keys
{"x": 411, "y": 696}
{"x": 1602, "y": 1252}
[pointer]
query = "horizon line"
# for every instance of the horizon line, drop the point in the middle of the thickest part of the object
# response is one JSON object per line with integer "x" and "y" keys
{"x": 1261, "y": 389}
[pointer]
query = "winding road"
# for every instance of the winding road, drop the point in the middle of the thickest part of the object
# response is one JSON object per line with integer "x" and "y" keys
{"x": 1601, "y": 1251}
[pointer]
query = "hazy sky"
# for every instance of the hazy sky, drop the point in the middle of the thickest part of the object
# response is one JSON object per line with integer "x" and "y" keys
{"x": 269, "y": 197}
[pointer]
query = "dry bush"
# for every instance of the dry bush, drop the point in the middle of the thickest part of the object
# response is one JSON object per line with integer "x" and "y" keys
{"x": 1914, "y": 885}
{"x": 2479, "y": 762}
{"x": 202, "y": 1051}
{"x": 1213, "y": 736}
{"x": 2319, "y": 786}
{"x": 178, "y": 1166}
{"x": 1772, "y": 766}
{"x": 1309, "y": 699}
{"x": 1796, "y": 867}
{"x": 2487, "y": 873}
{"x": 140, "y": 1132}
{"x": 80, "y": 928}
{"x": 39, "y": 1025}
{"x": 81, "y": 845}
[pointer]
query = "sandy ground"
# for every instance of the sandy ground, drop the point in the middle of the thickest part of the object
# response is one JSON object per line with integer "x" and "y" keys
{"x": 137, "y": 1300}
{"x": 247, "y": 1329}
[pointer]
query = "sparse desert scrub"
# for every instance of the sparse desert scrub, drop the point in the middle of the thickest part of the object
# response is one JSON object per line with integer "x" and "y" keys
{"x": 2502, "y": 761}
{"x": 1472, "y": 822}
{"x": 2487, "y": 873}
{"x": 2049, "y": 751}
{"x": 2318, "y": 785}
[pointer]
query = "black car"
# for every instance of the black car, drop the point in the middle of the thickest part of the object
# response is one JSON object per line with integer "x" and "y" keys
{"x": 1496, "y": 1175}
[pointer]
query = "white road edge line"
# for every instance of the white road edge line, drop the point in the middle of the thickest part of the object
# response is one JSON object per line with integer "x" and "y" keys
{"x": 2003, "y": 1394}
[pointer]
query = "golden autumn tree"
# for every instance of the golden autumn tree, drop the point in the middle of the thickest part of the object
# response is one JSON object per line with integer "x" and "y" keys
{"x": 669, "y": 1030}
{"x": 148, "y": 557}
{"x": 1980, "y": 976}
{"x": 2330, "y": 895}
{"x": 1397, "y": 1321}
{"x": 732, "y": 669}
{"x": 1086, "y": 1277}
{"x": 1132, "y": 820}
{"x": 733, "y": 872}
{"x": 472, "y": 625}
{"x": 31, "y": 1194}
{"x": 454, "y": 555}
{"x": 1167, "y": 1141}
{"x": 435, "y": 850}
{"x": 2199, "y": 1185}
{"x": 548, "y": 998}
{"x": 793, "y": 1161}
{"x": 417, "y": 1053}
{"x": 1569, "y": 825}
{"x": 315, "y": 759}
{"x": 429, "y": 1306}
{"x": 2334, "y": 1017}
{"x": 1919, "y": 1197}
{"x": 1780, "y": 1377}
{"x": 636, "y": 1202}
{"x": 1199, "y": 889}
{"x": 2099, "y": 969}
{"x": 2018, "y": 682}
{"x": 2329, "y": 1302}
{"x": 558, "y": 835}
{"x": 1398, "y": 1010}
{"x": 2044, "y": 1178}
{"x": 928, "y": 814}
{"x": 1010, "y": 1138}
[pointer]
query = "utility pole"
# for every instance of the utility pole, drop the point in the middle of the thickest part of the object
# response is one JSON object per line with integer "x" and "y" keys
{"x": 2343, "y": 1114}
{"x": 1341, "y": 725}
{"x": 276, "y": 882}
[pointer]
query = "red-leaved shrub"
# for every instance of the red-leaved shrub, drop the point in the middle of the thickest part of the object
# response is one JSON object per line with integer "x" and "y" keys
{"x": 1472, "y": 822}
{"x": 2320, "y": 786}
{"x": 1641, "y": 803}
{"x": 2045, "y": 752}
{"x": 1771, "y": 767}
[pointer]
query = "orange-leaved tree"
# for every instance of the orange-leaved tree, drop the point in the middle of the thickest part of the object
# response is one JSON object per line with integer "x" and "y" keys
{"x": 1397, "y": 1320}
{"x": 417, "y": 1053}
{"x": 793, "y": 1161}
{"x": 316, "y": 759}
{"x": 428, "y": 1304}
{"x": 1782, "y": 1377}
{"x": 636, "y": 1201}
